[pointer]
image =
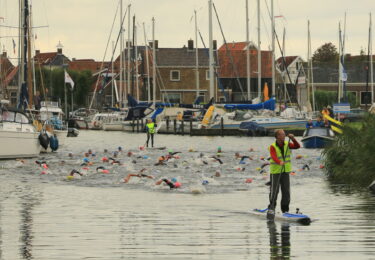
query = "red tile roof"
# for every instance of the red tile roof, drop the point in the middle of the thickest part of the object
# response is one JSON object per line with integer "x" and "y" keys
{"x": 233, "y": 62}
{"x": 87, "y": 64}
{"x": 45, "y": 58}
{"x": 11, "y": 75}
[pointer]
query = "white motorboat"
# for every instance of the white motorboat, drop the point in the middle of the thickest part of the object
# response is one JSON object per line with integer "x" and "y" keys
{"x": 114, "y": 122}
{"x": 18, "y": 136}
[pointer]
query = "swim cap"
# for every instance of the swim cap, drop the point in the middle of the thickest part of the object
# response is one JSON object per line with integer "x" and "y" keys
{"x": 85, "y": 160}
{"x": 119, "y": 148}
{"x": 174, "y": 180}
{"x": 145, "y": 157}
{"x": 177, "y": 185}
{"x": 170, "y": 151}
{"x": 89, "y": 151}
{"x": 205, "y": 182}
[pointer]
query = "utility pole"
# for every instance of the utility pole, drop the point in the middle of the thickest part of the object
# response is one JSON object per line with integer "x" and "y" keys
{"x": 153, "y": 61}
{"x": 196, "y": 55}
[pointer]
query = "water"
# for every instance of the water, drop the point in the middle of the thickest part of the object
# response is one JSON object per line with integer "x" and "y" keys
{"x": 100, "y": 217}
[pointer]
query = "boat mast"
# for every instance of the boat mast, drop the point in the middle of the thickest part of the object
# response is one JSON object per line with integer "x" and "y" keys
{"x": 121, "y": 55}
{"x": 248, "y": 52}
{"x": 371, "y": 65}
{"x": 147, "y": 65}
{"x": 273, "y": 49}
{"x": 196, "y": 54}
{"x": 136, "y": 61}
{"x": 112, "y": 78}
{"x": 29, "y": 71}
{"x": 153, "y": 62}
{"x": 127, "y": 86}
{"x": 211, "y": 51}
{"x": 340, "y": 65}
{"x": 259, "y": 54}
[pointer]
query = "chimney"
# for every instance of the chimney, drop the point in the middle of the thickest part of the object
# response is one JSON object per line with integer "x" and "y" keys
{"x": 214, "y": 44}
{"x": 37, "y": 52}
{"x": 128, "y": 43}
{"x": 190, "y": 44}
{"x": 59, "y": 48}
{"x": 4, "y": 54}
{"x": 156, "y": 44}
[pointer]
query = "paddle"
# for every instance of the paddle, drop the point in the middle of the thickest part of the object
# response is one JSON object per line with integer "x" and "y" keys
{"x": 271, "y": 211}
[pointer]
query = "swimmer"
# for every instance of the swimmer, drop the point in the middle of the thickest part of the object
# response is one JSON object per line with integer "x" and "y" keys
{"x": 161, "y": 161}
{"x": 42, "y": 164}
{"x": 70, "y": 155}
{"x": 139, "y": 175}
{"x": 114, "y": 161}
{"x": 306, "y": 167}
{"x": 74, "y": 172}
{"x": 217, "y": 174}
{"x": 129, "y": 154}
{"x": 171, "y": 184}
{"x": 217, "y": 159}
{"x": 101, "y": 169}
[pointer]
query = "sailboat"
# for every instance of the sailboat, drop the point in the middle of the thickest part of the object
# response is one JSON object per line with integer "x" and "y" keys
{"x": 18, "y": 136}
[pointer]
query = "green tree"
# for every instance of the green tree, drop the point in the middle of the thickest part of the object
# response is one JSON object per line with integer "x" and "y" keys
{"x": 326, "y": 53}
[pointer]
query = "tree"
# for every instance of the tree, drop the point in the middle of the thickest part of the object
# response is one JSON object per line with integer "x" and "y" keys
{"x": 326, "y": 53}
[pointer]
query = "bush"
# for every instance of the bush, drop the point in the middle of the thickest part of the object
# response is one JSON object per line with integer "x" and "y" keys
{"x": 350, "y": 158}
{"x": 325, "y": 98}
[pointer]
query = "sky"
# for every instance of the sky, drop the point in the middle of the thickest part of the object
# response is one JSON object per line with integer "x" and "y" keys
{"x": 83, "y": 26}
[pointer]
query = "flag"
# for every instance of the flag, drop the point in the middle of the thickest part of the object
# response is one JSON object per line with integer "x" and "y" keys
{"x": 14, "y": 46}
{"x": 344, "y": 75}
{"x": 69, "y": 80}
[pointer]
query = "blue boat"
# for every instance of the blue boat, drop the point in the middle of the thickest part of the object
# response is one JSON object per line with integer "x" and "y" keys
{"x": 317, "y": 137}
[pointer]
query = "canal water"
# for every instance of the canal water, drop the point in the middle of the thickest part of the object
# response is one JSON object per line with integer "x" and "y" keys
{"x": 98, "y": 216}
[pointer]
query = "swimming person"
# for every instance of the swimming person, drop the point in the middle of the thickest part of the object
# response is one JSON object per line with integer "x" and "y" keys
{"x": 280, "y": 167}
{"x": 139, "y": 175}
{"x": 173, "y": 184}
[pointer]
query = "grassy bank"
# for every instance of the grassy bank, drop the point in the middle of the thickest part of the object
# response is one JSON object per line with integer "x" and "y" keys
{"x": 350, "y": 159}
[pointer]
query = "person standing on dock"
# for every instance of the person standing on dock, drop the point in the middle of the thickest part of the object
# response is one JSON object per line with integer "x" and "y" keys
{"x": 150, "y": 128}
{"x": 280, "y": 167}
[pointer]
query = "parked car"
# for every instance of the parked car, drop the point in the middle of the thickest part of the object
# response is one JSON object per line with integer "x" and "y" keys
{"x": 355, "y": 115}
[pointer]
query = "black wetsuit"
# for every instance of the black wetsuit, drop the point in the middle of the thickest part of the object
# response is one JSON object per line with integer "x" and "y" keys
{"x": 169, "y": 183}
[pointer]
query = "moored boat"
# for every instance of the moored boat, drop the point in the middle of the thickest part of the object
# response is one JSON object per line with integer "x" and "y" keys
{"x": 317, "y": 137}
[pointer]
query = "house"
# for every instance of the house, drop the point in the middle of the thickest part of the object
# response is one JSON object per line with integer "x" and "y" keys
{"x": 326, "y": 77}
{"x": 7, "y": 73}
{"x": 176, "y": 74}
{"x": 51, "y": 60}
{"x": 232, "y": 70}
{"x": 293, "y": 77}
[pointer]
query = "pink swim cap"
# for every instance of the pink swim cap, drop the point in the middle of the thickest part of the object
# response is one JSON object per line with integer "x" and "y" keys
{"x": 177, "y": 184}
{"x": 105, "y": 171}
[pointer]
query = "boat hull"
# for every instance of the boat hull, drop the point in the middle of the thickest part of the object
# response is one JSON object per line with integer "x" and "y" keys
{"x": 312, "y": 142}
{"x": 19, "y": 144}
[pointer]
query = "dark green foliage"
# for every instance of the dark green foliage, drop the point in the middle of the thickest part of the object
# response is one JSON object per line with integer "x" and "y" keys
{"x": 53, "y": 82}
{"x": 350, "y": 159}
{"x": 325, "y": 98}
{"x": 326, "y": 53}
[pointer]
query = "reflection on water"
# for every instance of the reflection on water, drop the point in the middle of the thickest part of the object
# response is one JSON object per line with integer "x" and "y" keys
{"x": 279, "y": 241}
{"x": 47, "y": 217}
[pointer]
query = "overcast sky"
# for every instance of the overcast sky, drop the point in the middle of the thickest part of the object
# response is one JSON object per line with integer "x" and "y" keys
{"x": 83, "y": 26}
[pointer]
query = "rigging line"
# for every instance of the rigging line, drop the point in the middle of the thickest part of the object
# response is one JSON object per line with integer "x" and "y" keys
{"x": 216, "y": 74}
{"x": 229, "y": 54}
{"x": 283, "y": 60}
{"x": 106, "y": 48}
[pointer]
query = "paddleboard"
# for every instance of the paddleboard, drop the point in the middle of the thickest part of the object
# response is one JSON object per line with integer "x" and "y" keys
{"x": 287, "y": 217}
{"x": 156, "y": 148}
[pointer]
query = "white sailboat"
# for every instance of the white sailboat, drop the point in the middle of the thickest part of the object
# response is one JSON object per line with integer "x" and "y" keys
{"x": 18, "y": 137}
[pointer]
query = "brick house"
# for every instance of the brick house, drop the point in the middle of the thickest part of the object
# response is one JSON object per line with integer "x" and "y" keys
{"x": 8, "y": 72}
{"x": 51, "y": 60}
{"x": 176, "y": 73}
{"x": 233, "y": 70}
{"x": 326, "y": 77}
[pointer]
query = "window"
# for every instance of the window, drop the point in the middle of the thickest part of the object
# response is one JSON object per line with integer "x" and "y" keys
{"x": 365, "y": 97}
{"x": 175, "y": 75}
{"x": 207, "y": 75}
{"x": 172, "y": 97}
